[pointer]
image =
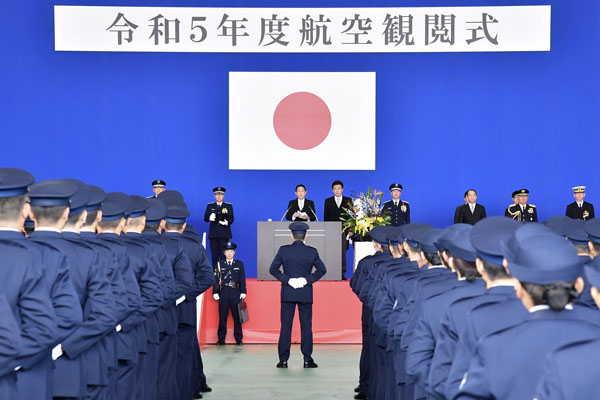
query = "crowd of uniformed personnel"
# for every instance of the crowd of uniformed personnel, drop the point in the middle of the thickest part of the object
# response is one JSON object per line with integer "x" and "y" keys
{"x": 98, "y": 301}
{"x": 500, "y": 309}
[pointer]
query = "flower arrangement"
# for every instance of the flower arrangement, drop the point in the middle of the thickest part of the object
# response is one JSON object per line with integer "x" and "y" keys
{"x": 365, "y": 213}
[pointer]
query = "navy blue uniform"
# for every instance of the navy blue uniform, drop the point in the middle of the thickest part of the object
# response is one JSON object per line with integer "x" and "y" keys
{"x": 218, "y": 234}
{"x": 127, "y": 341}
{"x": 298, "y": 261}
{"x": 399, "y": 214}
{"x": 229, "y": 283}
{"x": 571, "y": 372}
{"x": 79, "y": 366}
{"x": 27, "y": 294}
{"x": 184, "y": 278}
{"x": 190, "y": 376}
{"x": 492, "y": 373}
{"x": 528, "y": 214}
{"x": 10, "y": 343}
{"x": 146, "y": 270}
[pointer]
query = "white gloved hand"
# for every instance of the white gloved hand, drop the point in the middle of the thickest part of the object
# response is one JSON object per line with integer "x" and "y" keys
{"x": 302, "y": 282}
{"x": 242, "y": 296}
{"x": 225, "y": 223}
{"x": 293, "y": 282}
{"x": 216, "y": 296}
{"x": 213, "y": 217}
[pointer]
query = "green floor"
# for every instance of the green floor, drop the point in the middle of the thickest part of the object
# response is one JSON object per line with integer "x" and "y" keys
{"x": 248, "y": 372}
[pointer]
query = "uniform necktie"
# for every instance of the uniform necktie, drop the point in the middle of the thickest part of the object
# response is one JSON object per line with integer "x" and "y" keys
{"x": 396, "y": 203}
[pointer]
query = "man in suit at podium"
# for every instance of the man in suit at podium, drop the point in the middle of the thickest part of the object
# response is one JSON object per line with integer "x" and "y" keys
{"x": 301, "y": 209}
{"x": 220, "y": 216}
{"x": 333, "y": 209}
{"x": 471, "y": 211}
{"x": 580, "y": 209}
{"x": 297, "y": 279}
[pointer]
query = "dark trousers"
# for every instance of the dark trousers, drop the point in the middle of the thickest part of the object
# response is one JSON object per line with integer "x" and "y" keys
{"x": 285, "y": 334}
{"x": 344, "y": 250}
{"x": 198, "y": 377}
{"x": 126, "y": 380}
{"x": 224, "y": 306}
{"x": 167, "y": 367}
{"x": 216, "y": 249}
{"x": 151, "y": 372}
{"x": 185, "y": 352}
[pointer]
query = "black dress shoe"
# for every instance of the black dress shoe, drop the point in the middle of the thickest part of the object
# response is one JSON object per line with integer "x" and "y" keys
{"x": 197, "y": 396}
{"x": 205, "y": 389}
{"x": 357, "y": 389}
{"x": 310, "y": 364}
{"x": 220, "y": 342}
{"x": 282, "y": 364}
{"x": 239, "y": 342}
{"x": 361, "y": 396}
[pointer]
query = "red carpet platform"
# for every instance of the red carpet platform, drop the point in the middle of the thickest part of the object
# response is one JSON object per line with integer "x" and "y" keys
{"x": 336, "y": 314}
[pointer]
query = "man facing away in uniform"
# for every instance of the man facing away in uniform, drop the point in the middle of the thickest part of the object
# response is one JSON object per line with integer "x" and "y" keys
{"x": 220, "y": 216}
{"x": 333, "y": 209}
{"x": 471, "y": 211}
{"x": 580, "y": 209}
{"x": 297, "y": 279}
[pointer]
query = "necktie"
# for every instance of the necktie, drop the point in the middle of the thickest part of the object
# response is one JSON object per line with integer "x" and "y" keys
{"x": 338, "y": 201}
{"x": 396, "y": 203}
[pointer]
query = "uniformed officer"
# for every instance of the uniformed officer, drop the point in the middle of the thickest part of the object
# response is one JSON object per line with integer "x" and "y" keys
{"x": 522, "y": 211}
{"x": 580, "y": 209}
{"x": 399, "y": 210}
{"x": 78, "y": 371}
{"x": 229, "y": 289}
{"x": 548, "y": 271}
{"x": 297, "y": 278}
{"x": 23, "y": 284}
{"x": 571, "y": 371}
{"x": 10, "y": 343}
{"x": 158, "y": 186}
{"x": 220, "y": 216}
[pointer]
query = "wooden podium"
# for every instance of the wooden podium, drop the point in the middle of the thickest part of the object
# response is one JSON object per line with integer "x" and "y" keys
{"x": 326, "y": 237}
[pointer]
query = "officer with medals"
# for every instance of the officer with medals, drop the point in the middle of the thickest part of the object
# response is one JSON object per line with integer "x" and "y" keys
{"x": 522, "y": 211}
{"x": 297, "y": 261}
{"x": 158, "y": 186}
{"x": 399, "y": 210}
{"x": 220, "y": 216}
{"x": 580, "y": 209}
{"x": 229, "y": 289}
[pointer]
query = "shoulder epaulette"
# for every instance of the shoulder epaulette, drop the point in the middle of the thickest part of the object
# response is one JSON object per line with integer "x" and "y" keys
{"x": 226, "y": 203}
{"x": 385, "y": 202}
{"x": 531, "y": 205}
{"x": 404, "y": 201}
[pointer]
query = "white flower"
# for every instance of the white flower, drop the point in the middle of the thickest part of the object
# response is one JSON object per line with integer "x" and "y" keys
{"x": 363, "y": 222}
{"x": 357, "y": 203}
{"x": 361, "y": 214}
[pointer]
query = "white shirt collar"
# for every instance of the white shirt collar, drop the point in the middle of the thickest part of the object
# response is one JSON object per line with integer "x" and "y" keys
{"x": 6, "y": 228}
{"x": 47, "y": 229}
{"x": 436, "y": 266}
{"x": 579, "y": 204}
{"x": 539, "y": 308}
{"x": 87, "y": 230}
{"x": 219, "y": 204}
{"x": 70, "y": 230}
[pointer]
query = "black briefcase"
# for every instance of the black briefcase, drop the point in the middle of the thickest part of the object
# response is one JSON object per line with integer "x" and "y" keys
{"x": 243, "y": 311}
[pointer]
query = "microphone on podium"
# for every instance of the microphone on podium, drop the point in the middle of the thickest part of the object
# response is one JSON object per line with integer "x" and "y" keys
{"x": 315, "y": 214}
{"x": 283, "y": 216}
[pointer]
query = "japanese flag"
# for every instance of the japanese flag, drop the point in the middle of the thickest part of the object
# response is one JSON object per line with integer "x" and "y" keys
{"x": 302, "y": 120}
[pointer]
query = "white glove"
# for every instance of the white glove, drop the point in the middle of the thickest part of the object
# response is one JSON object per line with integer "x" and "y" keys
{"x": 293, "y": 282}
{"x": 213, "y": 217}
{"x": 224, "y": 222}
{"x": 302, "y": 282}
{"x": 216, "y": 296}
{"x": 242, "y": 296}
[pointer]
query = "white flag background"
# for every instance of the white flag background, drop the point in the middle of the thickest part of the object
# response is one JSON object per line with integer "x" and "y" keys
{"x": 302, "y": 120}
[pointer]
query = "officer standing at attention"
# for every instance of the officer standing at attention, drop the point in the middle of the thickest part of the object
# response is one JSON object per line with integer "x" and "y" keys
{"x": 229, "y": 289}
{"x": 522, "y": 211}
{"x": 580, "y": 209}
{"x": 158, "y": 186}
{"x": 220, "y": 216}
{"x": 399, "y": 210}
{"x": 297, "y": 279}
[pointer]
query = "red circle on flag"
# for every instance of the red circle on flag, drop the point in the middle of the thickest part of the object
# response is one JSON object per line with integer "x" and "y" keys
{"x": 302, "y": 120}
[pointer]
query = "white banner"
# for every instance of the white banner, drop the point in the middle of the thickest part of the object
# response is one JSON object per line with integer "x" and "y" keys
{"x": 302, "y": 120}
{"x": 302, "y": 30}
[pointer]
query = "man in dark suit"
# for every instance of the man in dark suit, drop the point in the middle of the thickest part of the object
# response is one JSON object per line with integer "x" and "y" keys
{"x": 220, "y": 216}
{"x": 522, "y": 211}
{"x": 471, "y": 211}
{"x": 301, "y": 209}
{"x": 297, "y": 279}
{"x": 580, "y": 209}
{"x": 333, "y": 209}
{"x": 398, "y": 210}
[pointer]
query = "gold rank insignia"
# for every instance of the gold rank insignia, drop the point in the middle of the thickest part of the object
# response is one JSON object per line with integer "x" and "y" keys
{"x": 224, "y": 210}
